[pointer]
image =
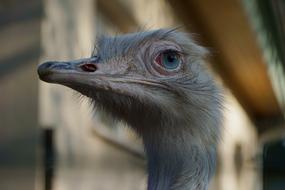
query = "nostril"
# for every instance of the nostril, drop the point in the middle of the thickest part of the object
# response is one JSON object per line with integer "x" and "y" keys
{"x": 88, "y": 67}
{"x": 48, "y": 64}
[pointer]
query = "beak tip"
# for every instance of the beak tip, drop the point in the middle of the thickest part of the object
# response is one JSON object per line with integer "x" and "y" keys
{"x": 44, "y": 70}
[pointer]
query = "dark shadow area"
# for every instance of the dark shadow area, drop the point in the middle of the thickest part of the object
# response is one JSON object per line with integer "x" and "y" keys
{"x": 274, "y": 165}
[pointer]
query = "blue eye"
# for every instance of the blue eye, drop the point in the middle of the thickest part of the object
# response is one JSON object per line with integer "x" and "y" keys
{"x": 169, "y": 60}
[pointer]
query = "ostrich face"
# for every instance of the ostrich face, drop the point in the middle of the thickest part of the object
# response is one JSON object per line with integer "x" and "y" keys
{"x": 138, "y": 77}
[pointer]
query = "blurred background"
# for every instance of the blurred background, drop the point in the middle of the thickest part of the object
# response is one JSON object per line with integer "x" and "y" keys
{"x": 50, "y": 140}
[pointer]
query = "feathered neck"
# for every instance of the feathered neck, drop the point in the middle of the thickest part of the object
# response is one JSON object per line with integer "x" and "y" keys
{"x": 177, "y": 161}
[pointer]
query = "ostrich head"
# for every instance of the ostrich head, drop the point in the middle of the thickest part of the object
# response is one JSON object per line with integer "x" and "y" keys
{"x": 156, "y": 83}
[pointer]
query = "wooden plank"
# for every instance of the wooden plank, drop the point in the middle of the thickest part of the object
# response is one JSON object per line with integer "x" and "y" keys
{"x": 224, "y": 27}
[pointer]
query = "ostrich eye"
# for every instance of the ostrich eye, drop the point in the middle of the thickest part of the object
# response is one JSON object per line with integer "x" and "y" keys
{"x": 169, "y": 59}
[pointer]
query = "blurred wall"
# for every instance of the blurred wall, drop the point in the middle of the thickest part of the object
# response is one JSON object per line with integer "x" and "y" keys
{"x": 19, "y": 52}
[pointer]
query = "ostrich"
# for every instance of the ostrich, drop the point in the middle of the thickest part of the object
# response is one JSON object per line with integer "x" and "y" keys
{"x": 154, "y": 81}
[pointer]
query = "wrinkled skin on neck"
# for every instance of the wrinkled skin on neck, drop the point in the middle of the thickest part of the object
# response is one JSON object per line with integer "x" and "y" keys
{"x": 156, "y": 83}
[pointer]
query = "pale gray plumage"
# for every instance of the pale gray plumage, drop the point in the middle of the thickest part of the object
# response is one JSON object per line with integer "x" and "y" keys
{"x": 176, "y": 111}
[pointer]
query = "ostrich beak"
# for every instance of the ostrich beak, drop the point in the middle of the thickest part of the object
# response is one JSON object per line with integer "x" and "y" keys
{"x": 77, "y": 72}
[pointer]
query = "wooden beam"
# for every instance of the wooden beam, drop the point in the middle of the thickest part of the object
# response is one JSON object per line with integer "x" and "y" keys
{"x": 224, "y": 28}
{"x": 267, "y": 18}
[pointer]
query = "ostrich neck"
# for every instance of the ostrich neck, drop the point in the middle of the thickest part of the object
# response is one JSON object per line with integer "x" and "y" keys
{"x": 176, "y": 161}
